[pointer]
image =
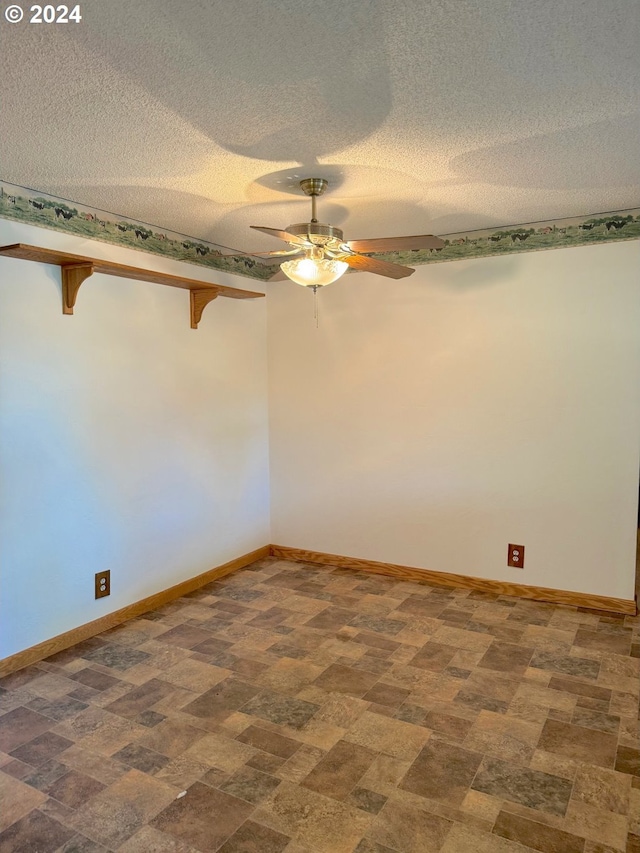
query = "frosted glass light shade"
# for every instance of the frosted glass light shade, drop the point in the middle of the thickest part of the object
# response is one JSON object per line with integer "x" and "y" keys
{"x": 314, "y": 272}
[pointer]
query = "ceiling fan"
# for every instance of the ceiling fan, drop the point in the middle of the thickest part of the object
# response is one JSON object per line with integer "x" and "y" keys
{"x": 319, "y": 254}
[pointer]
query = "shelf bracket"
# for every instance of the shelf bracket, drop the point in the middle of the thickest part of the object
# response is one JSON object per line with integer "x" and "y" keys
{"x": 72, "y": 277}
{"x": 199, "y": 298}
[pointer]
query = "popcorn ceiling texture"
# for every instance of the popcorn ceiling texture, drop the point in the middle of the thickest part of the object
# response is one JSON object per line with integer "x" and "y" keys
{"x": 426, "y": 117}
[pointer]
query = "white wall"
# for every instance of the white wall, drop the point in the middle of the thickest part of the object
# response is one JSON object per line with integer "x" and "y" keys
{"x": 127, "y": 440}
{"x": 430, "y": 422}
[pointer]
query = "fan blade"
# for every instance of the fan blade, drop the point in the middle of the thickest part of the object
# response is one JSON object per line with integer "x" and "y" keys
{"x": 396, "y": 244}
{"x": 360, "y": 262}
{"x": 282, "y": 235}
{"x": 280, "y": 253}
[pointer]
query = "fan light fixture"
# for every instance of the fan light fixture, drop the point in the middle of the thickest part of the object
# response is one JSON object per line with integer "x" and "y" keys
{"x": 314, "y": 270}
{"x": 320, "y": 254}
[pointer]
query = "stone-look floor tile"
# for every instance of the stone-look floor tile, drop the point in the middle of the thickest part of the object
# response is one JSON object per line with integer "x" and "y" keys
{"x": 103, "y": 769}
{"x": 254, "y": 838}
{"x": 634, "y": 810}
{"x": 409, "y": 830}
{"x": 340, "y": 770}
{"x": 482, "y": 806}
{"x": 243, "y": 687}
{"x": 17, "y": 800}
{"x": 378, "y": 624}
{"x": 531, "y": 788}
{"x": 119, "y": 658}
{"x": 57, "y": 709}
{"x": 204, "y": 817}
{"x": 236, "y": 723}
{"x": 245, "y": 667}
{"x": 375, "y": 641}
{"x": 480, "y": 702}
{"x": 368, "y": 846}
{"x": 13, "y": 767}
{"x": 580, "y": 688}
{"x": 461, "y": 639}
{"x": 442, "y": 772}
{"x": 140, "y": 698}
{"x": 624, "y": 704}
{"x": 170, "y": 737}
{"x": 422, "y": 605}
{"x": 146, "y": 760}
{"x": 337, "y": 709}
{"x": 45, "y": 775}
{"x": 618, "y": 643}
{"x": 628, "y": 761}
{"x": 114, "y": 733}
{"x": 603, "y": 789}
{"x": 280, "y": 709}
{"x": 433, "y": 656}
{"x": 385, "y": 774}
{"x": 566, "y": 664}
{"x": 81, "y": 844}
{"x": 250, "y": 785}
{"x": 20, "y": 726}
{"x": 41, "y": 749}
{"x": 594, "y": 719}
{"x": 331, "y": 619}
{"x": 289, "y": 676}
{"x": 317, "y": 733}
{"x": 35, "y": 832}
{"x": 346, "y": 680}
{"x": 323, "y": 824}
{"x": 452, "y": 727}
{"x": 269, "y": 741}
{"x": 185, "y": 636}
{"x": 506, "y": 657}
{"x": 218, "y": 750}
{"x": 218, "y": 702}
{"x": 113, "y": 815}
{"x": 56, "y": 810}
{"x": 74, "y": 789}
{"x": 368, "y": 801}
{"x": 265, "y": 762}
{"x": 464, "y": 839}
{"x": 580, "y": 743}
{"x": 384, "y": 734}
{"x": 296, "y": 768}
{"x": 150, "y": 840}
{"x": 414, "y": 714}
{"x": 386, "y": 694}
{"x": 503, "y": 736}
{"x": 597, "y": 825}
{"x": 537, "y": 836}
{"x": 194, "y": 675}
{"x": 556, "y": 765}
{"x": 182, "y": 771}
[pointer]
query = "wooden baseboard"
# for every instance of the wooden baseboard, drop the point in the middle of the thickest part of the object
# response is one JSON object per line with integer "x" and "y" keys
{"x": 152, "y": 602}
{"x": 537, "y": 593}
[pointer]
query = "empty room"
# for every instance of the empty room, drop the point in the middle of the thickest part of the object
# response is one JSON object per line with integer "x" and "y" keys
{"x": 319, "y": 427}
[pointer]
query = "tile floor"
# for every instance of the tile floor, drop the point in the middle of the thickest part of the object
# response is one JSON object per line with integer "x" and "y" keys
{"x": 302, "y": 709}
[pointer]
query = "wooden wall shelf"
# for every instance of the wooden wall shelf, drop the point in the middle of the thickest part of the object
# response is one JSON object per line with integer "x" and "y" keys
{"x": 77, "y": 268}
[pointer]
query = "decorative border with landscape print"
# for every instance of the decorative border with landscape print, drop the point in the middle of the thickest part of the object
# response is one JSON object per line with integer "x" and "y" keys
{"x": 47, "y": 211}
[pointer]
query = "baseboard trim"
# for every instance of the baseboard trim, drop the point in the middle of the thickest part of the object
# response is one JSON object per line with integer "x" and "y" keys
{"x": 536, "y": 593}
{"x": 152, "y": 602}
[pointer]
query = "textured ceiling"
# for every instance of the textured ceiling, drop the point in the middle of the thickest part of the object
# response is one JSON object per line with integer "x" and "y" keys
{"x": 426, "y": 116}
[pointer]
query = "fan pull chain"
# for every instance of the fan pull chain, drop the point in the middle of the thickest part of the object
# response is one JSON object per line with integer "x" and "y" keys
{"x": 315, "y": 305}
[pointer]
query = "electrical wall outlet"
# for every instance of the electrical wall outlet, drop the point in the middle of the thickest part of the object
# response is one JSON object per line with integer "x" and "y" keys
{"x": 103, "y": 584}
{"x": 515, "y": 556}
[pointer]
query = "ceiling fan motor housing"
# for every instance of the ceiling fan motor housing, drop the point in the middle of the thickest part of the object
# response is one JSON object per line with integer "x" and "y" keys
{"x": 317, "y": 233}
